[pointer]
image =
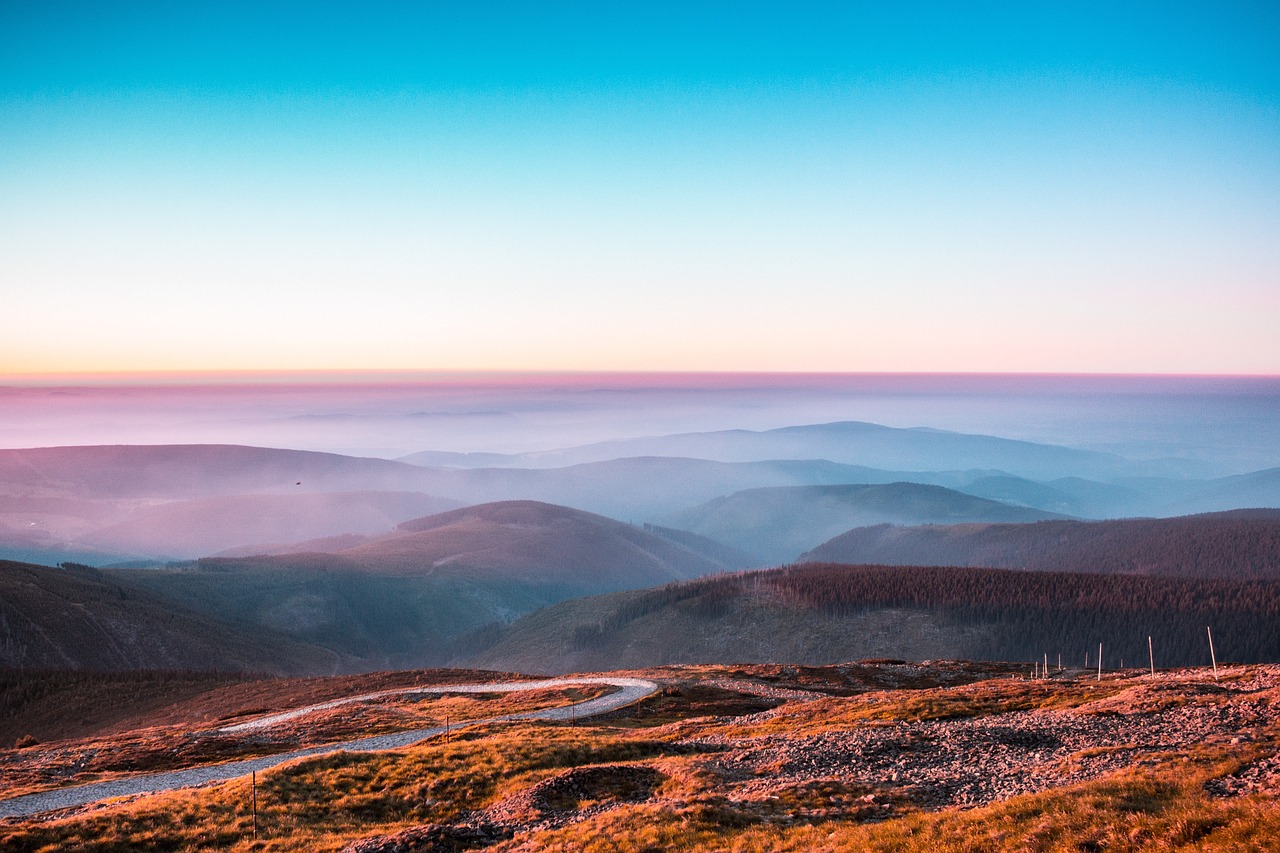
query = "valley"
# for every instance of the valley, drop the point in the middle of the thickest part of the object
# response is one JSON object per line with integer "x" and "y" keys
{"x": 832, "y": 635}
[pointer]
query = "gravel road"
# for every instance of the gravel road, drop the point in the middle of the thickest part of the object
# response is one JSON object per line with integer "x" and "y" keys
{"x": 629, "y": 690}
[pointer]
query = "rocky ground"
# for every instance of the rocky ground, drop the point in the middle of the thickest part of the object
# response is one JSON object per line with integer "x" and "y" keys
{"x": 883, "y": 767}
{"x": 857, "y": 744}
{"x": 974, "y": 761}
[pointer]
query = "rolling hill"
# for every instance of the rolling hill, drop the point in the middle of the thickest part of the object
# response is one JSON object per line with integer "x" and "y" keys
{"x": 826, "y": 613}
{"x": 403, "y": 597}
{"x": 645, "y": 488}
{"x": 109, "y": 504}
{"x": 80, "y": 618}
{"x": 205, "y": 526}
{"x": 180, "y": 471}
{"x": 1238, "y": 544}
{"x": 779, "y": 524}
{"x": 1256, "y": 489}
{"x": 1071, "y": 496}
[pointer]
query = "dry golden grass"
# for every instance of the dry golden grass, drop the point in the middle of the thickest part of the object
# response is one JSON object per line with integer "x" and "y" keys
{"x": 996, "y": 696}
{"x": 701, "y": 802}
{"x": 315, "y": 804}
{"x": 1161, "y": 809}
{"x": 173, "y": 747}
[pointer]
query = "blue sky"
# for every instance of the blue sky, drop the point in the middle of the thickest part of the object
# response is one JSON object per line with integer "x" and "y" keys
{"x": 845, "y": 187}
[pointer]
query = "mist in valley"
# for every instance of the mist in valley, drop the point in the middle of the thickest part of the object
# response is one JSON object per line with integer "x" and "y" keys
{"x": 1224, "y": 425}
{"x": 404, "y": 520}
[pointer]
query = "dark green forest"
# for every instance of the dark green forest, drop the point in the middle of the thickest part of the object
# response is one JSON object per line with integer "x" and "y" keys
{"x": 1024, "y": 615}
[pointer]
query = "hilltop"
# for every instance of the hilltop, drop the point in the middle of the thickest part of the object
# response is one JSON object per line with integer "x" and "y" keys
{"x": 532, "y": 540}
{"x": 406, "y": 596}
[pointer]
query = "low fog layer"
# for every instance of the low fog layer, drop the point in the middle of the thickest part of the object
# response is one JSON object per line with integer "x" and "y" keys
{"x": 1226, "y": 425}
{"x": 766, "y": 466}
{"x": 384, "y": 524}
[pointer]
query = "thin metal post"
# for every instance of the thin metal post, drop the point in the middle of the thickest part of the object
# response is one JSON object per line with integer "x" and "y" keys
{"x": 1099, "y": 661}
{"x": 1046, "y": 665}
{"x": 1213, "y": 657}
{"x": 1152, "y": 655}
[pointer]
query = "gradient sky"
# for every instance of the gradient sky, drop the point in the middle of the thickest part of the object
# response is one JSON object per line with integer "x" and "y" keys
{"x": 650, "y": 186}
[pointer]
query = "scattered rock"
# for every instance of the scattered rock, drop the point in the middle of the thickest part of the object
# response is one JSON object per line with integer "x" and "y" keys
{"x": 564, "y": 798}
{"x": 434, "y": 838}
{"x": 977, "y": 760}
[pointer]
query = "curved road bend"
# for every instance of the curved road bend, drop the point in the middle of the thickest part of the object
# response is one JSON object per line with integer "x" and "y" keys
{"x": 629, "y": 690}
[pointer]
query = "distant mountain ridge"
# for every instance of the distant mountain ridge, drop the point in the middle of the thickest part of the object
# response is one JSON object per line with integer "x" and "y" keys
{"x": 111, "y": 504}
{"x": 778, "y": 524}
{"x": 876, "y": 445}
{"x": 179, "y": 471}
{"x": 1235, "y": 544}
{"x": 203, "y": 526}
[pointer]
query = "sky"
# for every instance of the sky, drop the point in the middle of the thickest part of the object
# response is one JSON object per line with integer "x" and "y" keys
{"x": 801, "y": 186}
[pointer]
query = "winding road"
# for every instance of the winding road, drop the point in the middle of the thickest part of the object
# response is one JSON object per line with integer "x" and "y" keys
{"x": 629, "y": 690}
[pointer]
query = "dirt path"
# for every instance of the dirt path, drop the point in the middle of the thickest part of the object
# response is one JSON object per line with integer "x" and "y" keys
{"x": 629, "y": 690}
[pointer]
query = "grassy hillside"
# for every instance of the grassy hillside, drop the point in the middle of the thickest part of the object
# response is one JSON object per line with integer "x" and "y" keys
{"x": 947, "y": 757}
{"x": 1239, "y": 544}
{"x": 80, "y": 618}
{"x": 778, "y": 524}
{"x": 822, "y": 613}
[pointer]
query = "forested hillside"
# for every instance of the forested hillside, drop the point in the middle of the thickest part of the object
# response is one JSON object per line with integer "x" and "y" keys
{"x": 1237, "y": 544}
{"x": 80, "y": 618}
{"x": 819, "y": 613}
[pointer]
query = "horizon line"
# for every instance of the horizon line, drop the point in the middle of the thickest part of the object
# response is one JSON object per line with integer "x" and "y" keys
{"x": 269, "y": 376}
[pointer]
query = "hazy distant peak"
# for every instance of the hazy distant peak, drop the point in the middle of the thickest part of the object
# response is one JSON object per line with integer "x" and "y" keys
{"x": 1237, "y": 543}
{"x": 515, "y": 513}
{"x": 780, "y": 522}
{"x": 918, "y": 449}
